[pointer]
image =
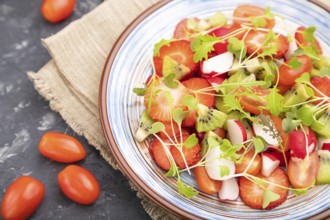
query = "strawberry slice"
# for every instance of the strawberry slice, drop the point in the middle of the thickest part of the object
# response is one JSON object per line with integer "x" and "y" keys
{"x": 193, "y": 85}
{"x": 301, "y": 41}
{"x": 255, "y": 39}
{"x": 252, "y": 194}
{"x": 178, "y": 50}
{"x": 192, "y": 155}
{"x": 157, "y": 103}
{"x": 158, "y": 153}
{"x": 182, "y": 29}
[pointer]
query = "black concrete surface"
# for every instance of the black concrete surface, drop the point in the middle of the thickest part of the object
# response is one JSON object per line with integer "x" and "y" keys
{"x": 25, "y": 117}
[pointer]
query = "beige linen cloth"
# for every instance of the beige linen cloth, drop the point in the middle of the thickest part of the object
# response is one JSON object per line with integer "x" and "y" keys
{"x": 70, "y": 81}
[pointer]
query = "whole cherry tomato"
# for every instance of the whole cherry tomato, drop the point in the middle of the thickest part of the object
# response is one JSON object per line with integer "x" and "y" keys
{"x": 22, "y": 198}
{"x": 252, "y": 104}
{"x": 57, "y": 10}
{"x": 78, "y": 184}
{"x": 61, "y": 147}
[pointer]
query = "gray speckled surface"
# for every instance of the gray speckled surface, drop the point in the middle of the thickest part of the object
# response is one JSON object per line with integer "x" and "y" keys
{"x": 25, "y": 117}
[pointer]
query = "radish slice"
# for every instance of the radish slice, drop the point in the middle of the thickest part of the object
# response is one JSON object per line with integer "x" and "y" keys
{"x": 269, "y": 164}
{"x": 236, "y": 132}
{"x": 214, "y": 163}
{"x": 323, "y": 144}
{"x": 219, "y": 64}
{"x": 266, "y": 135}
{"x": 229, "y": 190}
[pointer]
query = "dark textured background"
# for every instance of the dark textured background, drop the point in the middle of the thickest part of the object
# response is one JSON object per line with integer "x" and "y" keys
{"x": 25, "y": 117}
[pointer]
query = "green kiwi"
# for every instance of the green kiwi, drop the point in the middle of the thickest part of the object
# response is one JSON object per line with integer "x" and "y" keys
{"x": 209, "y": 119}
{"x": 205, "y": 144}
{"x": 262, "y": 73}
{"x": 217, "y": 19}
{"x": 145, "y": 125}
{"x": 295, "y": 95}
{"x": 322, "y": 125}
{"x": 219, "y": 104}
{"x": 236, "y": 68}
{"x": 323, "y": 175}
{"x": 253, "y": 65}
{"x": 172, "y": 66}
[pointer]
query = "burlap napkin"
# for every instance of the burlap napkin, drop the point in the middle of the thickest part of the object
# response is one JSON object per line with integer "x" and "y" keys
{"x": 70, "y": 81}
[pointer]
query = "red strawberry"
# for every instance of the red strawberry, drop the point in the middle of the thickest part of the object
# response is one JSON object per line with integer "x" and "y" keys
{"x": 178, "y": 50}
{"x": 182, "y": 30}
{"x": 255, "y": 39}
{"x": 158, "y": 153}
{"x": 194, "y": 84}
{"x": 157, "y": 103}
{"x": 171, "y": 131}
{"x": 252, "y": 194}
{"x": 192, "y": 155}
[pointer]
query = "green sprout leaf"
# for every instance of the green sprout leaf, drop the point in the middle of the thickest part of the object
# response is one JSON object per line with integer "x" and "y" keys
{"x": 304, "y": 78}
{"x": 259, "y": 144}
{"x": 157, "y": 127}
{"x": 310, "y": 51}
{"x": 268, "y": 51}
{"x": 258, "y": 22}
{"x": 187, "y": 191}
{"x": 191, "y": 141}
{"x": 236, "y": 47}
{"x": 139, "y": 91}
{"x": 288, "y": 124}
{"x": 190, "y": 101}
{"x": 274, "y": 102}
{"x": 270, "y": 37}
{"x": 160, "y": 44}
{"x": 224, "y": 171}
{"x": 268, "y": 14}
{"x": 268, "y": 197}
{"x": 325, "y": 71}
{"x": 308, "y": 34}
{"x": 179, "y": 115}
{"x": 170, "y": 81}
{"x": 232, "y": 103}
{"x": 173, "y": 171}
{"x": 294, "y": 63}
{"x": 202, "y": 46}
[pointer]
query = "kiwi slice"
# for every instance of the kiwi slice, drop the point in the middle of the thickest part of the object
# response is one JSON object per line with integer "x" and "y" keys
{"x": 145, "y": 125}
{"x": 217, "y": 19}
{"x": 295, "y": 95}
{"x": 205, "y": 144}
{"x": 263, "y": 73}
{"x": 172, "y": 66}
{"x": 322, "y": 125}
{"x": 219, "y": 104}
{"x": 323, "y": 175}
{"x": 235, "y": 68}
{"x": 209, "y": 119}
{"x": 253, "y": 65}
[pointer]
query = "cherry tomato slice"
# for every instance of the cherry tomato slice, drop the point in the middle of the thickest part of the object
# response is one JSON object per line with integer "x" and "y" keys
{"x": 22, "y": 198}
{"x": 302, "y": 172}
{"x": 251, "y": 104}
{"x": 61, "y": 147}
{"x": 244, "y": 14}
{"x": 299, "y": 36}
{"x": 78, "y": 184}
{"x": 57, "y": 10}
{"x": 287, "y": 75}
{"x": 284, "y": 136}
{"x": 255, "y": 166}
{"x": 205, "y": 183}
{"x": 254, "y": 41}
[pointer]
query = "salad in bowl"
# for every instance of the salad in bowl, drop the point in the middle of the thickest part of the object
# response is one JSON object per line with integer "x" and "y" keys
{"x": 240, "y": 103}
